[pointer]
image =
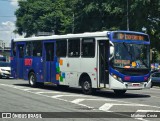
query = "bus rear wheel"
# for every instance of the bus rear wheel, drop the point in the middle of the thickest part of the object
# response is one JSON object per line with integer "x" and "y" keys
{"x": 32, "y": 79}
{"x": 86, "y": 86}
{"x": 119, "y": 92}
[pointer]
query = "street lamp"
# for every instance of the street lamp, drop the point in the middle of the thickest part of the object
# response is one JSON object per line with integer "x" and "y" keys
{"x": 144, "y": 29}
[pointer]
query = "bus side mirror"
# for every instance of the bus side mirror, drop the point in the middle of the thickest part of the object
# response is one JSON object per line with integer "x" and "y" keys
{"x": 111, "y": 51}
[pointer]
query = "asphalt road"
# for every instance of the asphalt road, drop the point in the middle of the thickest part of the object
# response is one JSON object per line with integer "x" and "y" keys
{"x": 17, "y": 97}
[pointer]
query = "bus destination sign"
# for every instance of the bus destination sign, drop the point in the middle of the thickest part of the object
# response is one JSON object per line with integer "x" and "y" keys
{"x": 129, "y": 36}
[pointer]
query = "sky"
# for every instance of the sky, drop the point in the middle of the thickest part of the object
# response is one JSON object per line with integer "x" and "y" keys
{"x": 7, "y": 20}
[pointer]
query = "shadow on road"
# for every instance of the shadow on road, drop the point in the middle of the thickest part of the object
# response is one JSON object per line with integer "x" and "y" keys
{"x": 99, "y": 93}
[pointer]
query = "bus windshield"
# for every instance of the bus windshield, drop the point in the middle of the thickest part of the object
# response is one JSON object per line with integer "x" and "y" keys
{"x": 131, "y": 55}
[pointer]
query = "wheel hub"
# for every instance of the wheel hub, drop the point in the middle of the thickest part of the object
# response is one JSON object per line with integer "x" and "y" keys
{"x": 86, "y": 85}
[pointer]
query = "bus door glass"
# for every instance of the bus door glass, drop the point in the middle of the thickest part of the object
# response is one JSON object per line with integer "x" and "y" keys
{"x": 103, "y": 62}
{"x": 13, "y": 60}
{"x": 20, "y": 59}
{"x": 49, "y": 62}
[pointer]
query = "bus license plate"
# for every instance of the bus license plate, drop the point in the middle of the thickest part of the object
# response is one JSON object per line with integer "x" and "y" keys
{"x": 135, "y": 84}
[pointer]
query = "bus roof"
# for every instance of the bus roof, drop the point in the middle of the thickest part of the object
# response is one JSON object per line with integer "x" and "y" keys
{"x": 81, "y": 35}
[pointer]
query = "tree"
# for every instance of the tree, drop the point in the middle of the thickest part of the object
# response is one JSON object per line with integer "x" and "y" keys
{"x": 97, "y": 15}
{"x": 146, "y": 13}
{"x": 33, "y": 16}
{"x": 76, "y": 16}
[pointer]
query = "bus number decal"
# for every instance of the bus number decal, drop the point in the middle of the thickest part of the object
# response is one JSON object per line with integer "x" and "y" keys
{"x": 28, "y": 62}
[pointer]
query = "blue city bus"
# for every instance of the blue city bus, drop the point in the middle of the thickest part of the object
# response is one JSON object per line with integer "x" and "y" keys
{"x": 117, "y": 60}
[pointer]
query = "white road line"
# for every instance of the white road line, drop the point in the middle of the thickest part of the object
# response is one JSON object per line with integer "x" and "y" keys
{"x": 142, "y": 119}
{"x": 57, "y": 96}
{"x": 51, "y": 96}
{"x": 76, "y": 101}
{"x": 102, "y": 108}
{"x": 29, "y": 89}
{"x": 47, "y": 92}
{"x": 18, "y": 87}
{"x": 148, "y": 111}
{"x": 107, "y": 106}
{"x": 80, "y": 100}
{"x": 6, "y": 85}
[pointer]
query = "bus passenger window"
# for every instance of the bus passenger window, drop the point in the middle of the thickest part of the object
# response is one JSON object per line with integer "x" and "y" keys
{"x": 14, "y": 49}
{"x": 37, "y": 49}
{"x": 61, "y": 48}
{"x": 74, "y": 48}
{"x": 49, "y": 49}
{"x": 88, "y": 47}
{"x": 21, "y": 51}
{"x": 29, "y": 49}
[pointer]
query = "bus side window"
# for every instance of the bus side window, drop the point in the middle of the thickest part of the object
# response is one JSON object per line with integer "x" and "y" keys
{"x": 88, "y": 47}
{"x": 74, "y": 48}
{"x": 14, "y": 49}
{"x": 61, "y": 48}
{"x": 37, "y": 48}
{"x": 29, "y": 49}
{"x": 21, "y": 51}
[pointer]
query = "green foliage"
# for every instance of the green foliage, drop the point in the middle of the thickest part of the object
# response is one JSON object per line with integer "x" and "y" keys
{"x": 75, "y": 16}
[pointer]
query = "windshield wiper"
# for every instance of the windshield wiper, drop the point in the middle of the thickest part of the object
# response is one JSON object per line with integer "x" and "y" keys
{"x": 144, "y": 63}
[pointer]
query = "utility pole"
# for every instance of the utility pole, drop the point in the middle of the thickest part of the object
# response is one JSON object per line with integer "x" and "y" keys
{"x": 73, "y": 17}
{"x": 127, "y": 17}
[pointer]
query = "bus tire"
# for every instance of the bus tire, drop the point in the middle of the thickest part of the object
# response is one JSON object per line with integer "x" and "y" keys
{"x": 86, "y": 85}
{"x": 119, "y": 92}
{"x": 32, "y": 79}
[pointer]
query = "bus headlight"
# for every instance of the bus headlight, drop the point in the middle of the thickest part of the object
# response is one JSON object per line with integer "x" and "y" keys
{"x": 116, "y": 77}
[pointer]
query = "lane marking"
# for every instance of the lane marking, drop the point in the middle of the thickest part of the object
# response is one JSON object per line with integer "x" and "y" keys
{"x": 76, "y": 101}
{"x": 148, "y": 111}
{"x": 83, "y": 105}
{"x": 6, "y": 85}
{"x": 57, "y": 96}
{"x": 18, "y": 87}
{"x": 41, "y": 94}
{"x": 47, "y": 92}
{"x": 30, "y": 89}
{"x": 107, "y": 106}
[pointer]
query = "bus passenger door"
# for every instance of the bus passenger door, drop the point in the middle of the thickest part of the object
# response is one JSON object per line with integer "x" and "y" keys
{"x": 49, "y": 62}
{"x": 20, "y": 60}
{"x": 103, "y": 57}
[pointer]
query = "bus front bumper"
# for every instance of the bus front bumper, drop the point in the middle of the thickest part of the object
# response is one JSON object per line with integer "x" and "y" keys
{"x": 115, "y": 84}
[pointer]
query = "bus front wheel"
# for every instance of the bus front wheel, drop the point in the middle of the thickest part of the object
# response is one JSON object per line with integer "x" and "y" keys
{"x": 32, "y": 79}
{"x": 86, "y": 86}
{"x": 119, "y": 92}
